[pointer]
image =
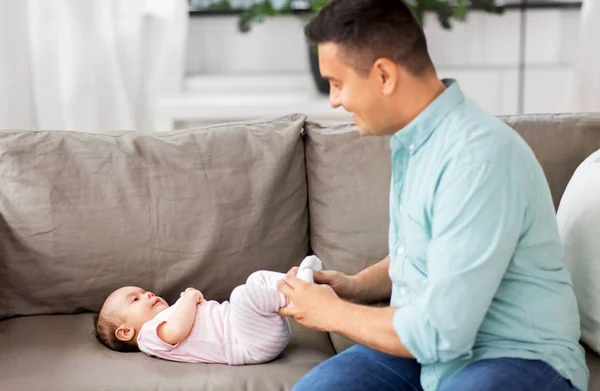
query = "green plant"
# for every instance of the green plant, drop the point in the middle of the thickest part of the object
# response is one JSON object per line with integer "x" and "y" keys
{"x": 446, "y": 10}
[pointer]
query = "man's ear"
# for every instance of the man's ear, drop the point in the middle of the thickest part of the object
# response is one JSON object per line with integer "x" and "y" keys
{"x": 125, "y": 333}
{"x": 387, "y": 74}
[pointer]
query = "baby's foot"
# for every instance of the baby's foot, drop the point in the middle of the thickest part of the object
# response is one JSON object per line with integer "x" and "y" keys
{"x": 309, "y": 265}
{"x": 311, "y": 262}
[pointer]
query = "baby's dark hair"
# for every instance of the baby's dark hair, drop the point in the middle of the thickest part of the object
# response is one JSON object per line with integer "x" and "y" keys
{"x": 104, "y": 331}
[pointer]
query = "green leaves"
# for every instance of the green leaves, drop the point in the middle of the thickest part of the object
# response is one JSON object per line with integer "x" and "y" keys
{"x": 446, "y": 11}
{"x": 487, "y": 6}
{"x": 316, "y": 5}
{"x": 258, "y": 12}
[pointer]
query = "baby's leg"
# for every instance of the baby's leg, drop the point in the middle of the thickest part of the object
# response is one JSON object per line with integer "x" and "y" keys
{"x": 255, "y": 321}
{"x": 265, "y": 278}
{"x": 269, "y": 279}
{"x": 309, "y": 265}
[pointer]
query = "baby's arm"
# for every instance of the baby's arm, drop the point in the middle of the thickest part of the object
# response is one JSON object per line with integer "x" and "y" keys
{"x": 178, "y": 326}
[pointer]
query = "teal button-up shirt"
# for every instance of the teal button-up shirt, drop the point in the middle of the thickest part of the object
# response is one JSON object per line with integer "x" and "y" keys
{"x": 476, "y": 258}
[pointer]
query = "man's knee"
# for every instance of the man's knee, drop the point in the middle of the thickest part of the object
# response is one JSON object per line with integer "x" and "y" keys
{"x": 320, "y": 378}
{"x": 506, "y": 374}
{"x": 330, "y": 375}
{"x": 360, "y": 368}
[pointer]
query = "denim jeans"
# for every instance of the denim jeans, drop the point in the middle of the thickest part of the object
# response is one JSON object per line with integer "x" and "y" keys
{"x": 361, "y": 368}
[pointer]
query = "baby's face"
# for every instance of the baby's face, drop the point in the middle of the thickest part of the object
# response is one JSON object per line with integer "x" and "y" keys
{"x": 134, "y": 306}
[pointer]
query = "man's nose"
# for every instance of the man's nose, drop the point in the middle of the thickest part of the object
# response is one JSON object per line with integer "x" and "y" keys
{"x": 334, "y": 100}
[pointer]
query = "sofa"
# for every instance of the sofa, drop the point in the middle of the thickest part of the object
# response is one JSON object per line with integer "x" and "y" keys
{"x": 82, "y": 214}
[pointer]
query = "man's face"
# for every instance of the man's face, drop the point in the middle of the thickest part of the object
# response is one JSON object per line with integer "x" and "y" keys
{"x": 134, "y": 306}
{"x": 357, "y": 93}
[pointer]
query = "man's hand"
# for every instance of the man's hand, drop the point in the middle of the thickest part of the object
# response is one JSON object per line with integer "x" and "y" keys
{"x": 318, "y": 307}
{"x": 194, "y": 295}
{"x": 343, "y": 285}
{"x": 312, "y": 305}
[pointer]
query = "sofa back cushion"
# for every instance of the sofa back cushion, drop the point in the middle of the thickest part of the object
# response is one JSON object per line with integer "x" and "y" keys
{"x": 349, "y": 180}
{"x": 83, "y": 214}
{"x": 348, "y": 187}
{"x": 560, "y": 143}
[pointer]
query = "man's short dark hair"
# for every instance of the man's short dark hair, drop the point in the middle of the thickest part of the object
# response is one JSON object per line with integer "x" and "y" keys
{"x": 370, "y": 29}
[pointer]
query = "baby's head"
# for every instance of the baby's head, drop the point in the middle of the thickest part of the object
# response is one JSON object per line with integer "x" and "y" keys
{"x": 122, "y": 316}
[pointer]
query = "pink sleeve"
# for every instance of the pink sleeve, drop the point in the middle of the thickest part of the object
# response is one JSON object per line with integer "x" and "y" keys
{"x": 150, "y": 343}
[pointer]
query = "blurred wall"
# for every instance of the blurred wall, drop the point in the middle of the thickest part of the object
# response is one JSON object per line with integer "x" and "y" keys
{"x": 483, "y": 54}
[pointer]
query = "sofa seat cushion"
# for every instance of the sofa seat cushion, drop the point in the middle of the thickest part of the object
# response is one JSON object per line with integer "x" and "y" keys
{"x": 58, "y": 352}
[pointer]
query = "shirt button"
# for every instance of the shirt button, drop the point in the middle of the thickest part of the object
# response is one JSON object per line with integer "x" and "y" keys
{"x": 411, "y": 147}
{"x": 400, "y": 250}
{"x": 403, "y": 291}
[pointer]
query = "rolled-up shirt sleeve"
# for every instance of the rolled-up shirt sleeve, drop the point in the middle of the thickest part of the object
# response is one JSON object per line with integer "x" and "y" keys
{"x": 477, "y": 219}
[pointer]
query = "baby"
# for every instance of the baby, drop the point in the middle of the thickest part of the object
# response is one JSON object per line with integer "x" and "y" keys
{"x": 247, "y": 329}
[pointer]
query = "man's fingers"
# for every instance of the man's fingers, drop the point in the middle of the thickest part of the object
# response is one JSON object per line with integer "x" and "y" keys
{"x": 284, "y": 287}
{"x": 294, "y": 282}
{"x": 324, "y": 277}
{"x": 287, "y": 290}
{"x": 293, "y": 271}
{"x": 288, "y": 310}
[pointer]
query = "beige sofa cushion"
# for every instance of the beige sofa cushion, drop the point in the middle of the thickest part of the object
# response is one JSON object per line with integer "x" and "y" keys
{"x": 348, "y": 186}
{"x": 560, "y": 143}
{"x": 58, "y": 353}
{"x": 349, "y": 179}
{"x": 83, "y": 214}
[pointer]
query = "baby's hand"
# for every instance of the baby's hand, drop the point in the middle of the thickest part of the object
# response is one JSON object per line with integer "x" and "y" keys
{"x": 191, "y": 292}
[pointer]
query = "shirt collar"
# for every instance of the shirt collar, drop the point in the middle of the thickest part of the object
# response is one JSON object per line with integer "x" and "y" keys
{"x": 414, "y": 135}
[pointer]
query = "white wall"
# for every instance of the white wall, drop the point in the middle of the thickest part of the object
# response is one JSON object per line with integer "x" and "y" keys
{"x": 277, "y": 45}
{"x": 16, "y": 101}
{"x": 483, "y": 54}
{"x": 216, "y": 47}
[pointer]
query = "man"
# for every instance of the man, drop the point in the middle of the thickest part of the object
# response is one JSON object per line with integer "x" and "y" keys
{"x": 480, "y": 299}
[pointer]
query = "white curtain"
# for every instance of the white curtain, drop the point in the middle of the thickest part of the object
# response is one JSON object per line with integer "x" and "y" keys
{"x": 89, "y": 65}
{"x": 587, "y": 67}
